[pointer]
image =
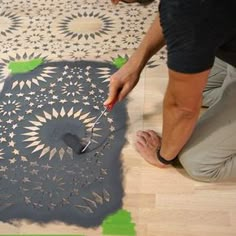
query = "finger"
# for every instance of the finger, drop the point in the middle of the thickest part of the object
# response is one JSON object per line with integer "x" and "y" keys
{"x": 143, "y": 133}
{"x": 109, "y": 100}
{"x": 124, "y": 92}
{"x": 153, "y": 139}
{"x": 139, "y": 133}
{"x": 138, "y": 145}
{"x": 115, "y": 1}
{"x": 154, "y": 135}
{"x": 152, "y": 132}
{"x": 141, "y": 140}
{"x": 114, "y": 91}
{"x": 150, "y": 138}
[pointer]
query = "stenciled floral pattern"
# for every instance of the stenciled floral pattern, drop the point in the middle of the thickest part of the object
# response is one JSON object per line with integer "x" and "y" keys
{"x": 42, "y": 174}
{"x": 77, "y": 30}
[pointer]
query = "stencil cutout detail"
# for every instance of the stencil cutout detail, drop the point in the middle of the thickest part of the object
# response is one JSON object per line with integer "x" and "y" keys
{"x": 41, "y": 177}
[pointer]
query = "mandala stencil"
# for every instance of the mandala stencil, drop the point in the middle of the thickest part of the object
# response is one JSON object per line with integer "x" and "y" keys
{"x": 9, "y": 23}
{"x": 76, "y": 26}
{"x": 42, "y": 178}
{"x": 76, "y": 30}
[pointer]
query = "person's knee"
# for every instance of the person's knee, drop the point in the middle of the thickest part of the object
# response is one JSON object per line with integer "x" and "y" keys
{"x": 197, "y": 170}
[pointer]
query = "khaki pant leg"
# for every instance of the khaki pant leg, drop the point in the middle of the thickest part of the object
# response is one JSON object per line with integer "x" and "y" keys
{"x": 210, "y": 154}
{"x": 213, "y": 90}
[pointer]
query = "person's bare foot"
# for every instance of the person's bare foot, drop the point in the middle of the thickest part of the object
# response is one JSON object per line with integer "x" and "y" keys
{"x": 147, "y": 143}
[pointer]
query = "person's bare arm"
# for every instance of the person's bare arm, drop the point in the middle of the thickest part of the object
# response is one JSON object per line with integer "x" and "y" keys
{"x": 181, "y": 106}
{"x": 125, "y": 79}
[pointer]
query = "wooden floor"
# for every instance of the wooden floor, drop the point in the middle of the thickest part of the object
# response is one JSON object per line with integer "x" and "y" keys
{"x": 162, "y": 202}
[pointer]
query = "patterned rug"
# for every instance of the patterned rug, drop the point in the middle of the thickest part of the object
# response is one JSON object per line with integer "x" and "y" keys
{"x": 41, "y": 177}
{"x": 72, "y": 30}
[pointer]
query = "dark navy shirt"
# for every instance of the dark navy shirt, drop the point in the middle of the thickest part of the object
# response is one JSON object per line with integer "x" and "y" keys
{"x": 196, "y": 31}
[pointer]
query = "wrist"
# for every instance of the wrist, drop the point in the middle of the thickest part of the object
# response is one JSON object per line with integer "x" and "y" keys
{"x": 163, "y": 160}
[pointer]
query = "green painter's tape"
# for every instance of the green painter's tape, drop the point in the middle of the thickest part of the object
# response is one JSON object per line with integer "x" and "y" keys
{"x": 119, "y": 224}
{"x": 20, "y": 67}
{"x": 119, "y": 62}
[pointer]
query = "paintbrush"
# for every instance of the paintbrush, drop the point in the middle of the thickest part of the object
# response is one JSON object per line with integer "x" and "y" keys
{"x": 107, "y": 108}
{"x": 74, "y": 142}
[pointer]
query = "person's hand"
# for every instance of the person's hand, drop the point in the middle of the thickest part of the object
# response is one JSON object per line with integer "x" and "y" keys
{"x": 122, "y": 82}
{"x": 147, "y": 144}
